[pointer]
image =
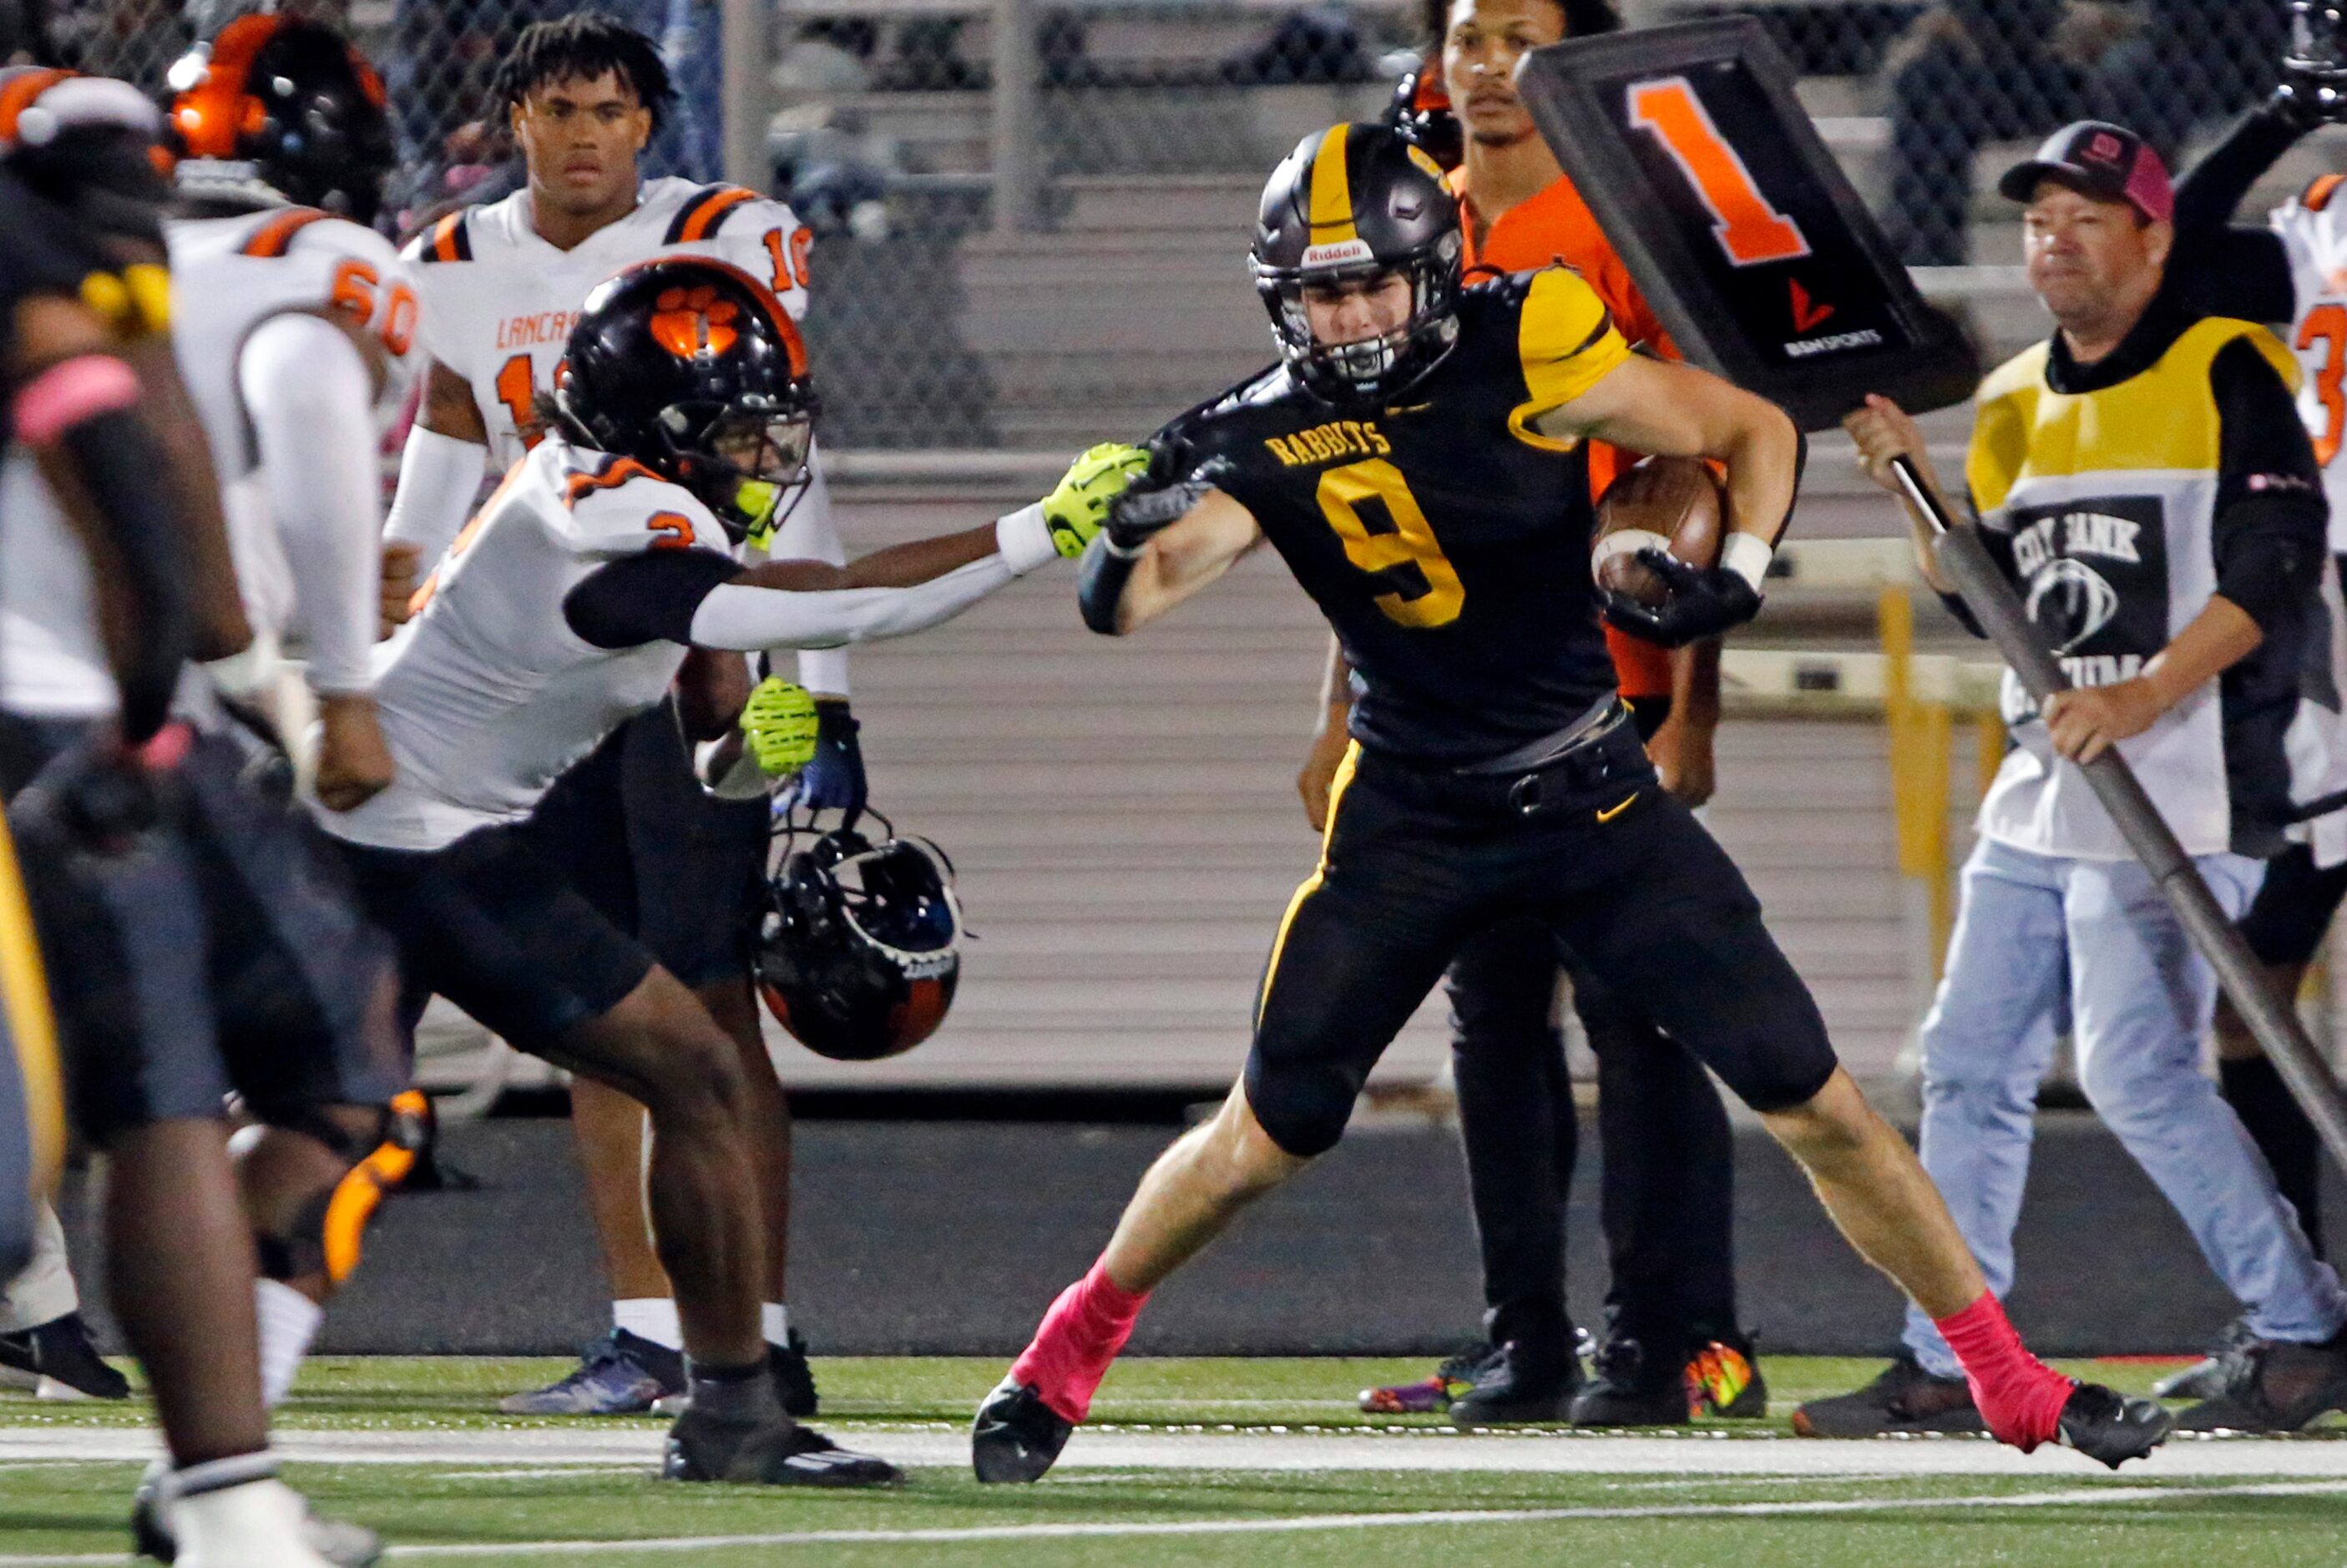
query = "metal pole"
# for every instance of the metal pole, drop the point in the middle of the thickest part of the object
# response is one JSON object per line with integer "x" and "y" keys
{"x": 1993, "y": 602}
{"x": 747, "y": 28}
{"x": 1017, "y": 166}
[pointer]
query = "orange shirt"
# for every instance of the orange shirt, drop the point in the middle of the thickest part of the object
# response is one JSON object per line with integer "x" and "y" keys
{"x": 1556, "y": 225}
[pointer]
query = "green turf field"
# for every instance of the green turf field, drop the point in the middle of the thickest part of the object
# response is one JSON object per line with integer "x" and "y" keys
{"x": 1230, "y": 1462}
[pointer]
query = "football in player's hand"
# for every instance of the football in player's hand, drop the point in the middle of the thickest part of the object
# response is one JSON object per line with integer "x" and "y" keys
{"x": 1671, "y": 504}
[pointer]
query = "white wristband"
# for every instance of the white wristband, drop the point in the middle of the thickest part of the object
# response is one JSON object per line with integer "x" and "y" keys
{"x": 1025, "y": 539}
{"x": 1747, "y": 555}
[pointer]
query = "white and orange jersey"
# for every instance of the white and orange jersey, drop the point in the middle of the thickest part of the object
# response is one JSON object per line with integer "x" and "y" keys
{"x": 228, "y": 276}
{"x": 499, "y": 300}
{"x": 489, "y": 693}
{"x": 2313, "y": 229}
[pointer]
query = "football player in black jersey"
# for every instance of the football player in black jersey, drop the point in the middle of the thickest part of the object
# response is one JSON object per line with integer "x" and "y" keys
{"x": 1416, "y": 458}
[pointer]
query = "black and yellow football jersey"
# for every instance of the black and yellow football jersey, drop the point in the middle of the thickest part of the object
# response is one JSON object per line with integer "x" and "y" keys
{"x": 1446, "y": 539}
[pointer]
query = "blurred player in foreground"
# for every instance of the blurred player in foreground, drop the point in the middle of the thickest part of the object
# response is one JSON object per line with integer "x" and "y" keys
{"x": 665, "y": 862}
{"x": 1672, "y": 1343}
{"x": 567, "y": 607}
{"x": 1418, "y": 460}
{"x": 121, "y": 543}
{"x": 2144, "y": 479}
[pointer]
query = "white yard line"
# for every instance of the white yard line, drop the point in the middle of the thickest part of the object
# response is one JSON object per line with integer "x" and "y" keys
{"x": 1306, "y": 1523}
{"x": 1409, "y": 1449}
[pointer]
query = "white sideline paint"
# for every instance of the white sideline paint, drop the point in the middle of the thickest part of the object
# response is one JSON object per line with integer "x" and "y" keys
{"x": 1430, "y": 1448}
{"x": 2091, "y": 1496}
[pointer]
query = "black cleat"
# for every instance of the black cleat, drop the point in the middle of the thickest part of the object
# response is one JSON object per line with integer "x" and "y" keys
{"x": 64, "y": 1360}
{"x": 1015, "y": 1437}
{"x": 1904, "y": 1398}
{"x": 1521, "y": 1385}
{"x": 1723, "y": 1377}
{"x": 767, "y": 1452}
{"x": 2274, "y": 1387}
{"x": 1631, "y": 1390}
{"x": 2110, "y": 1426}
{"x": 794, "y": 1378}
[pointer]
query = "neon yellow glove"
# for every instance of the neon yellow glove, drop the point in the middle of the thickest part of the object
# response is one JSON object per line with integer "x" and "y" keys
{"x": 778, "y": 726}
{"x": 1077, "y": 507}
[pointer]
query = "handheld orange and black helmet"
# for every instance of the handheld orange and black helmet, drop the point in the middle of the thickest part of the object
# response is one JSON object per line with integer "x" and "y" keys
{"x": 691, "y": 366}
{"x": 281, "y": 110}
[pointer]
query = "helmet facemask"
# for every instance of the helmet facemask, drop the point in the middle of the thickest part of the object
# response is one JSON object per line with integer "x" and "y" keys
{"x": 1376, "y": 368}
{"x": 745, "y": 461}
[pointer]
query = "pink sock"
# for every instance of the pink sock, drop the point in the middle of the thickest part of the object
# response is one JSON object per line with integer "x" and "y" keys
{"x": 2020, "y": 1396}
{"x": 1080, "y": 1337}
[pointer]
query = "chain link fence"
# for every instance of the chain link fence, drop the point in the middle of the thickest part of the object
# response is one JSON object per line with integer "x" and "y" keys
{"x": 1030, "y": 216}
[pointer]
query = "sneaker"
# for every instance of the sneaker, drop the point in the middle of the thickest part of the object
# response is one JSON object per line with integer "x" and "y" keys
{"x": 2205, "y": 1379}
{"x": 339, "y": 1541}
{"x": 623, "y": 1374}
{"x": 2274, "y": 1387}
{"x": 1429, "y": 1395}
{"x": 1015, "y": 1437}
{"x": 2109, "y": 1427}
{"x": 770, "y": 1451}
{"x": 63, "y": 1360}
{"x": 1723, "y": 1378}
{"x": 1904, "y": 1398}
{"x": 1519, "y": 1385}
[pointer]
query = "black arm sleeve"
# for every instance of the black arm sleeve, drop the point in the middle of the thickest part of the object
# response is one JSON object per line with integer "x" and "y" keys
{"x": 2268, "y": 535}
{"x": 2234, "y": 272}
{"x": 647, "y": 597}
{"x": 115, "y": 456}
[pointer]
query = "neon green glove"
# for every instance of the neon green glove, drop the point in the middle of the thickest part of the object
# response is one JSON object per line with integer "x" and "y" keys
{"x": 778, "y": 726}
{"x": 1077, "y": 507}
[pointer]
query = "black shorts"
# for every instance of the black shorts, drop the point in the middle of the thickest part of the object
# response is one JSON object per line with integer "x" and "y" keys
{"x": 663, "y": 859}
{"x": 2294, "y": 908}
{"x": 1630, "y": 884}
{"x": 219, "y": 949}
{"x": 500, "y": 928}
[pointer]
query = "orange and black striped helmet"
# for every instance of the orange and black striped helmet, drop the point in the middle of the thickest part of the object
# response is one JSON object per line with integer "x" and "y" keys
{"x": 281, "y": 108}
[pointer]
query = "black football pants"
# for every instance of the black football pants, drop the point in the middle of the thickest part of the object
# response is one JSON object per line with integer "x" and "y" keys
{"x": 1416, "y": 863}
{"x": 1666, "y": 1193}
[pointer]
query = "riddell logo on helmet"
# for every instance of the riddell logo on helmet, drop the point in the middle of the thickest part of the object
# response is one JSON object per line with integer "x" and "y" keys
{"x": 694, "y": 323}
{"x": 1344, "y": 253}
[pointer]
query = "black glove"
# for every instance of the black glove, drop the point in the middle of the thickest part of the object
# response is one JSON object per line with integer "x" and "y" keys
{"x": 1136, "y": 515}
{"x": 1704, "y": 601}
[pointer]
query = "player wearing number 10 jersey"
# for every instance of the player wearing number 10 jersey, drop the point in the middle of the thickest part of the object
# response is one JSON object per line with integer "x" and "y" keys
{"x": 1417, "y": 459}
{"x": 502, "y": 285}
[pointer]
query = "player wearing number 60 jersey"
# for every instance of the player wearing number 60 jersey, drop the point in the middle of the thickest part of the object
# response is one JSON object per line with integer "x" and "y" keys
{"x": 502, "y": 285}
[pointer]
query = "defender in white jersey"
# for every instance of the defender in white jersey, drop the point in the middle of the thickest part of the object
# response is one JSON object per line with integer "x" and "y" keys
{"x": 2290, "y": 269}
{"x": 502, "y": 285}
{"x": 566, "y": 609}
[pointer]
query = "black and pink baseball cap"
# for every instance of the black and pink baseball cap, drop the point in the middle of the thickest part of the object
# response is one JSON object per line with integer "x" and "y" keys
{"x": 2101, "y": 160}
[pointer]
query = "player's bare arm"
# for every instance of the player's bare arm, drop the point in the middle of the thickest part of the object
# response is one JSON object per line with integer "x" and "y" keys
{"x": 1319, "y": 775}
{"x": 448, "y": 408}
{"x": 1162, "y": 568}
{"x": 1674, "y": 410}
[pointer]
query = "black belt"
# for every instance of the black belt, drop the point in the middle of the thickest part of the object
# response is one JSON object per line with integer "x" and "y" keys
{"x": 1595, "y": 772}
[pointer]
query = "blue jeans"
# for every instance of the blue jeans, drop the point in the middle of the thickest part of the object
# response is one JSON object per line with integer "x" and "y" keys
{"x": 2034, "y": 931}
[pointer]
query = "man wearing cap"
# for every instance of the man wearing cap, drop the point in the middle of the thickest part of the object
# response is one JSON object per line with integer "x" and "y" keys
{"x": 2142, "y": 477}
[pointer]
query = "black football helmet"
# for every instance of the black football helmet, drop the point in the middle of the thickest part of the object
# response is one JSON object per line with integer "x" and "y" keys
{"x": 1356, "y": 202}
{"x": 692, "y": 366}
{"x": 1420, "y": 114}
{"x": 279, "y": 110}
{"x": 857, "y": 954}
{"x": 87, "y": 144}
